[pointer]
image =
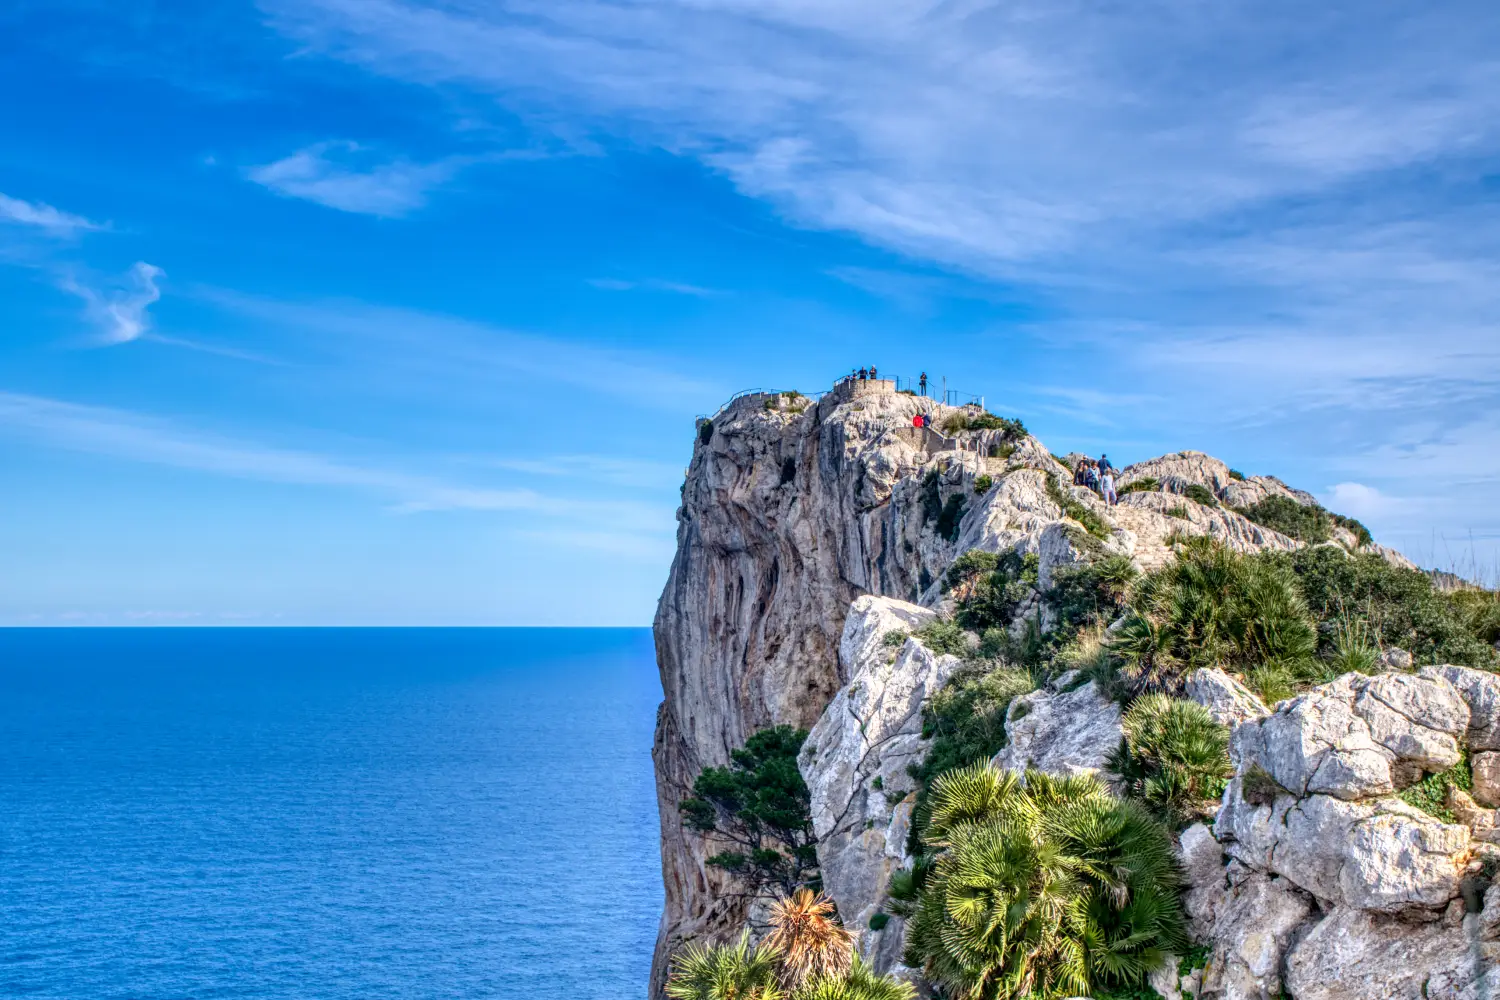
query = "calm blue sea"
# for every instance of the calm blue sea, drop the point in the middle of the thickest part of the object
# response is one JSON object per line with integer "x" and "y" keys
{"x": 327, "y": 813}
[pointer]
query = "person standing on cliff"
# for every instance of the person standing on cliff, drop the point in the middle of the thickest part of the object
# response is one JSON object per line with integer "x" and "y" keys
{"x": 1104, "y": 465}
{"x": 922, "y": 383}
{"x": 1107, "y": 488}
{"x": 863, "y": 374}
{"x": 872, "y": 372}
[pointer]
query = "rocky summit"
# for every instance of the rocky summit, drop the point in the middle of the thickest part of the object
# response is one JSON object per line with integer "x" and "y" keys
{"x": 819, "y": 583}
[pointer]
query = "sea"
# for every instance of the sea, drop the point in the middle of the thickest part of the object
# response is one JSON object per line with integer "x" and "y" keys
{"x": 327, "y": 813}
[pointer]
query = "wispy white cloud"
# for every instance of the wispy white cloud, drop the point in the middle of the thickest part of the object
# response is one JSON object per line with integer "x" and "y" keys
{"x": 129, "y": 436}
{"x": 118, "y": 309}
{"x": 43, "y": 216}
{"x": 409, "y": 350}
{"x": 653, "y": 285}
{"x": 348, "y": 177}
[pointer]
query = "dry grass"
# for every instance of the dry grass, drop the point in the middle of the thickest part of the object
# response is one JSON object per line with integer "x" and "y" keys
{"x": 812, "y": 943}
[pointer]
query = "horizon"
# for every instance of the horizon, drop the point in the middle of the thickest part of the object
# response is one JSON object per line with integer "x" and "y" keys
{"x": 398, "y": 313}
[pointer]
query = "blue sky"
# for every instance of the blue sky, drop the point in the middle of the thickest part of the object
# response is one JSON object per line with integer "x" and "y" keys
{"x": 380, "y": 312}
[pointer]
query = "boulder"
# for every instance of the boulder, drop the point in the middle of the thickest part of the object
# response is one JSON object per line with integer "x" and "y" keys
{"x": 1354, "y": 955}
{"x": 1486, "y": 769}
{"x": 855, "y": 764}
{"x": 1226, "y": 699}
{"x": 1480, "y": 690}
{"x": 1381, "y": 855}
{"x": 1395, "y": 659}
{"x": 1253, "y": 927}
{"x": 1061, "y": 731}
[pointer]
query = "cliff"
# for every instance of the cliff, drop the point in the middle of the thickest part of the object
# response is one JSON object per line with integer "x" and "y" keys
{"x": 793, "y": 512}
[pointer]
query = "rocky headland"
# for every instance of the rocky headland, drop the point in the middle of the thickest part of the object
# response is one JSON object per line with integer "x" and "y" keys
{"x": 842, "y": 571}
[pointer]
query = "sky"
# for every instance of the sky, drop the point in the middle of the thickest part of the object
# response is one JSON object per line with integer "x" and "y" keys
{"x": 399, "y": 312}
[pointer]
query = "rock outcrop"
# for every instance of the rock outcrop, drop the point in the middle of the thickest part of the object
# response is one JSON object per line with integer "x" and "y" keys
{"x": 855, "y": 762}
{"x": 791, "y": 510}
{"x": 1066, "y": 728}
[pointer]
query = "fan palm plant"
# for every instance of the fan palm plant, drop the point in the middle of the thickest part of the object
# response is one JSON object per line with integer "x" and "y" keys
{"x": 1042, "y": 888}
{"x": 726, "y": 972}
{"x": 1174, "y": 756}
{"x": 811, "y": 942}
{"x": 862, "y": 983}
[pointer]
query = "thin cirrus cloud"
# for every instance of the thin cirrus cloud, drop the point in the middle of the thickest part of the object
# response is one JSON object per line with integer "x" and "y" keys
{"x": 350, "y": 178}
{"x": 118, "y": 309}
{"x": 653, "y": 285}
{"x": 133, "y": 437}
{"x": 40, "y": 215}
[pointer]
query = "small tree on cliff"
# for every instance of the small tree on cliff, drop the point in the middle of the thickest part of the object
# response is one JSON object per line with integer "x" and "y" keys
{"x": 760, "y": 804}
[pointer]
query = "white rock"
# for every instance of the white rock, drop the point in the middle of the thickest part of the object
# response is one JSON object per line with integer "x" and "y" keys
{"x": 1352, "y": 955}
{"x": 1314, "y": 743}
{"x": 1486, "y": 767}
{"x": 1251, "y": 934}
{"x": 1395, "y": 659}
{"x": 1226, "y": 699}
{"x": 1071, "y": 732}
{"x": 1481, "y": 692}
{"x": 855, "y": 764}
{"x": 869, "y": 621}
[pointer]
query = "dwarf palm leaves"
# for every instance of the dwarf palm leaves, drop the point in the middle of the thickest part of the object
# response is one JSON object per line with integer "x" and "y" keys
{"x": 1210, "y": 607}
{"x": 727, "y": 972}
{"x": 1046, "y": 888}
{"x": 812, "y": 944}
{"x": 861, "y": 983}
{"x": 1174, "y": 756}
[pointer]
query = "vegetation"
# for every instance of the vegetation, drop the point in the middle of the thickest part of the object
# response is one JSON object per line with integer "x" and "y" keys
{"x": 1179, "y": 512}
{"x": 1237, "y": 475}
{"x": 1091, "y": 593}
{"x": 1213, "y": 607}
{"x": 729, "y": 972}
{"x": 1013, "y": 429}
{"x": 1305, "y": 522}
{"x": 1174, "y": 757}
{"x": 990, "y": 587}
{"x": 705, "y": 432}
{"x": 1201, "y": 494}
{"x": 943, "y": 636}
{"x": 760, "y": 804}
{"x": 966, "y": 722}
{"x": 810, "y": 942}
{"x": 1044, "y": 888}
{"x": 983, "y": 482}
{"x": 1092, "y": 523}
{"x": 861, "y": 983}
{"x": 1145, "y": 484}
{"x": 1399, "y": 607}
{"x": 1431, "y": 793}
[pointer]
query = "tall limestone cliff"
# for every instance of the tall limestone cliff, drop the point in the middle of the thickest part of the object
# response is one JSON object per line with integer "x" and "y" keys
{"x": 792, "y": 509}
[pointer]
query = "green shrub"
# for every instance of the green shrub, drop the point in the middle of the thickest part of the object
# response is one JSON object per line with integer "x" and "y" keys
{"x": 982, "y": 483}
{"x": 1179, "y": 512}
{"x": 1400, "y": 607}
{"x": 1086, "y": 593}
{"x": 965, "y": 720}
{"x": 1237, "y": 475}
{"x": 989, "y": 598}
{"x": 894, "y": 639}
{"x": 1431, "y": 793}
{"x": 1210, "y": 607}
{"x": 1001, "y": 449}
{"x": 943, "y": 636}
{"x": 1051, "y": 887}
{"x": 1145, "y": 484}
{"x": 1480, "y": 611}
{"x": 1201, "y": 494}
{"x": 1174, "y": 757}
{"x": 1362, "y": 536}
{"x": 1304, "y": 522}
{"x": 862, "y": 983}
{"x": 726, "y": 972}
{"x": 968, "y": 568}
{"x": 706, "y": 432}
{"x": 1013, "y": 430}
{"x": 879, "y": 920}
{"x": 761, "y": 804}
{"x": 1092, "y": 523}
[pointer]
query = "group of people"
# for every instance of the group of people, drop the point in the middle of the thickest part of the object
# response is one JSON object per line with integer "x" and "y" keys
{"x": 1098, "y": 476}
{"x": 866, "y": 374}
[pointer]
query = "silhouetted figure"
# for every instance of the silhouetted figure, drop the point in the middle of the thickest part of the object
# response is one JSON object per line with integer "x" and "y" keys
{"x": 863, "y": 374}
{"x": 872, "y": 371}
{"x": 922, "y": 383}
